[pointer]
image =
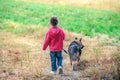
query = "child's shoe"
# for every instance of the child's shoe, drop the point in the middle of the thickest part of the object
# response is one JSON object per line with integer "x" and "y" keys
{"x": 60, "y": 70}
{"x": 53, "y": 72}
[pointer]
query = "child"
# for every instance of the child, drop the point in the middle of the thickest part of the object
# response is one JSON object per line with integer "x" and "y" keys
{"x": 54, "y": 39}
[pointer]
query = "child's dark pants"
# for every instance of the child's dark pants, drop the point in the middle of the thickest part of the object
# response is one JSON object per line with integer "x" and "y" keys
{"x": 56, "y": 58}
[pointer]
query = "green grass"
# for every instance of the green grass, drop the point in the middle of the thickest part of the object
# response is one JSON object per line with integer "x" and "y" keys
{"x": 87, "y": 21}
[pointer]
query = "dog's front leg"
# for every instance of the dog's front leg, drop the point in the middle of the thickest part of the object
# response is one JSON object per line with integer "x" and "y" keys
{"x": 70, "y": 61}
{"x": 74, "y": 66}
{"x": 78, "y": 59}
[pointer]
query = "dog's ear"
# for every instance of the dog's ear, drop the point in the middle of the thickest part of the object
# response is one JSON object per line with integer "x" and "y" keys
{"x": 83, "y": 46}
{"x": 75, "y": 38}
{"x": 80, "y": 39}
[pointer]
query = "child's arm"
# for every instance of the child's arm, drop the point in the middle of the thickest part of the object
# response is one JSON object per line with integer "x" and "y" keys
{"x": 46, "y": 41}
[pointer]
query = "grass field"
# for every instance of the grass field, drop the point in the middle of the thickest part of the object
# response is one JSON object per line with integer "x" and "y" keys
{"x": 87, "y": 21}
{"x": 23, "y": 24}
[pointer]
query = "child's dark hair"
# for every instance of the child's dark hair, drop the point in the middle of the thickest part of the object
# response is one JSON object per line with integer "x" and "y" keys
{"x": 54, "y": 21}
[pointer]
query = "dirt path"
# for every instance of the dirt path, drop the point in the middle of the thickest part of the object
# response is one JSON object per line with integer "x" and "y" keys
{"x": 35, "y": 50}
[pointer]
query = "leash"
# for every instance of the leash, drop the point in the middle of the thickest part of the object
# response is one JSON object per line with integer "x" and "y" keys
{"x": 65, "y": 51}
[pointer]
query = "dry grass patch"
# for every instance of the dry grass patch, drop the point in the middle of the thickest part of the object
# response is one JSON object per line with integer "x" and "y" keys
{"x": 22, "y": 58}
{"x": 99, "y": 4}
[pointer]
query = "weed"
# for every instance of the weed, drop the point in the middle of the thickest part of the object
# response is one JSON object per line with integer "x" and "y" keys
{"x": 28, "y": 54}
{"x": 21, "y": 62}
{"x": 116, "y": 68}
{"x": 97, "y": 54}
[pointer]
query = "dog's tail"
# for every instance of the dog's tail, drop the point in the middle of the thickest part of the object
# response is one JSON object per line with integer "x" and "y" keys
{"x": 65, "y": 51}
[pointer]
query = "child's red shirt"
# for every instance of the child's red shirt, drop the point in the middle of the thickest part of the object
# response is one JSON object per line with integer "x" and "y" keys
{"x": 54, "y": 39}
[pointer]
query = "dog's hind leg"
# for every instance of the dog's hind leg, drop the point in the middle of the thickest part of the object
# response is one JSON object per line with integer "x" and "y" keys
{"x": 70, "y": 61}
{"x": 78, "y": 59}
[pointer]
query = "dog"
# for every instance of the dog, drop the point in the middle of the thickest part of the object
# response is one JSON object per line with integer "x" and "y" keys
{"x": 75, "y": 51}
